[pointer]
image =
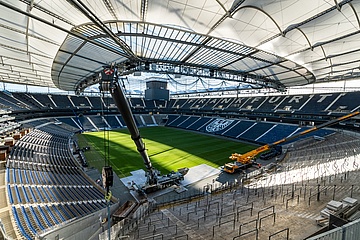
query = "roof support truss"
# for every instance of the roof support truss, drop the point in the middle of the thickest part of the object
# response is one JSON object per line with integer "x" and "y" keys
{"x": 89, "y": 14}
{"x": 143, "y": 10}
{"x": 110, "y": 8}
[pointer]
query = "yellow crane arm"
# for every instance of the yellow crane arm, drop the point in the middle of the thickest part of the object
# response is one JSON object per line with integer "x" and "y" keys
{"x": 249, "y": 156}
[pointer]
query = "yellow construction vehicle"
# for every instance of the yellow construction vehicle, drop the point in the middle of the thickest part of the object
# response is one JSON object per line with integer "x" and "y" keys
{"x": 246, "y": 160}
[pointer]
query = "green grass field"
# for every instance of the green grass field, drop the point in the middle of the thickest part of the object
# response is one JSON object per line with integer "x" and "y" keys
{"x": 168, "y": 149}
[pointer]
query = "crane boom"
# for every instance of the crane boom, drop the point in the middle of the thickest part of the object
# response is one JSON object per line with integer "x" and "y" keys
{"x": 315, "y": 128}
{"x": 248, "y": 157}
{"x": 109, "y": 84}
{"x": 154, "y": 180}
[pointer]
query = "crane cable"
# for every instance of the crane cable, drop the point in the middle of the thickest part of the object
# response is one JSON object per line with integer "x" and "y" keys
{"x": 106, "y": 137}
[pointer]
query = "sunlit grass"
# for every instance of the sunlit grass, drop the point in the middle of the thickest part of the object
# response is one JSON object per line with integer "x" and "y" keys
{"x": 168, "y": 149}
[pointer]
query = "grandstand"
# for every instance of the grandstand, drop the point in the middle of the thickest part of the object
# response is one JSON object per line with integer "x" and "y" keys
{"x": 252, "y": 72}
{"x": 47, "y": 187}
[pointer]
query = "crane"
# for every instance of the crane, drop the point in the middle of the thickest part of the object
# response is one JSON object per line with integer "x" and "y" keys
{"x": 154, "y": 180}
{"x": 247, "y": 159}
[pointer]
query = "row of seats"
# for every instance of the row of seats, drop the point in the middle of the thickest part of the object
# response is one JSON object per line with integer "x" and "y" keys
{"x": 303, "y": 103}
{"x": 26, "y": 194}
{"x": 45, "y": 185}
{"x": 95, "y": 122}
{"x": 88, "y": 123}
{"x": 260, "y": 132}
{"x": 53, "y": 175}
{"x": 34, "y": 219}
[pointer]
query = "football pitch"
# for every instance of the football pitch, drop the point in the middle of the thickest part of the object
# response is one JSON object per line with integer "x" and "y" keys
{"x": 168, "y": 148}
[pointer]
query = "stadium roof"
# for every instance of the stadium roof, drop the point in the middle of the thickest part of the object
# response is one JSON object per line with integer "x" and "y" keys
{"x": 276, "y": 44}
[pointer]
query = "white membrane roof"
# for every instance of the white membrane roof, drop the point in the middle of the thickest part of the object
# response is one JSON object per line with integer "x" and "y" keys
{"x": 62, "y": 43}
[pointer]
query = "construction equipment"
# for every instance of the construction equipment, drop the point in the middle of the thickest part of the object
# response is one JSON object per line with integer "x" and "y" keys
{"x": 246, "y": 160}
{"x": 154, "y": 180}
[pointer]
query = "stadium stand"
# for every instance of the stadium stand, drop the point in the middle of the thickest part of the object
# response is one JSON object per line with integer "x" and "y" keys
{"x": 29, "y": 100}
{"x": 198, "y": 103}
{"x": 344, "y": 103}
{"x": 62, "y": 101}
{"x": 287, "y": 108}
{"x": 158, "y": 104}
{"x": 72, "y": 122}
{"x": 188, "y": 122}
{"x": 316, "y": 103}
{"x": 201, "y": 124}
{"x": 178, "y": 103}
{"x": 9, "y": 102}
{"x": 86, "y": 123}
{"x": 113, "y": 121}
{"x": 96, "y": 102}
{"x": 44, "y": 99}
{"x": 252, "y": 103}
{"x": 239, "y": 128}
{"x": 278, "y": 132}
{"x": 258, "y": 130}
{"x": 98, "y": 122}
{"x": 45, "y": 185}
{"x": 137, "y": 103}
{"x": 80, "y": 102}
{"x": 210, "y": 104}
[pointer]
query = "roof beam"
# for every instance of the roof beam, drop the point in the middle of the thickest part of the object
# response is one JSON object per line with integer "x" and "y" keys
{"x": 24, "y": 61}
{"x": 66, "y": 62}
{"x": 222, "y": 6}
{"x": 29, "y": 34}
{"x": 25, "y": 51}
{"x": 143, "y": 10}
{"x": 25, "y": 68}
{"x": 29, "y": 8}
{"x": 31, "y": 3}
{"x": 265, "y": 13}
{"x": 60, "y": 28}
{"x": 110, "y": 8}
{"x": 335, "y": 7}
{"x": 320, "y": 44}
{"x": 298, "y": 25}
{"x": 356, "y": 14}
{"x": 334, "y": 56}
{"x": 89, "y": 14}
{"x": 26, "y": 75}
{"x": 86, "y": 58}
{"x": 227, "y": 14}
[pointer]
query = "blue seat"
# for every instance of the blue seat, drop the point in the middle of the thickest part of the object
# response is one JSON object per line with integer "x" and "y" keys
{"x": 28, "y": 222}
{"x": 58, "y": 212}
{"x": 25, "y": 194}
{"x": 65, "y": 211}
{"x": 7, "y": 180}
{"x": 36, "y": 218}
{"x": 17, "y": 194}
{"x": 18, "y": 223}
{"x": 51, "y": 214}
{"x": 44, "y": 216}
{"x": 10, "y": 195}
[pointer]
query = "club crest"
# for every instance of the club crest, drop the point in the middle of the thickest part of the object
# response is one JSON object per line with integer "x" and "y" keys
{"x": 218, "y": 125}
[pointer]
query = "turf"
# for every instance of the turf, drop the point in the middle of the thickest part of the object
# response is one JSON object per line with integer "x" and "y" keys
{"x": 168, "y": 149}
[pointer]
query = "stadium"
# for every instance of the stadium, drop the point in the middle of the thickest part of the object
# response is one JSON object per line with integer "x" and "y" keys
{"x": 179, "y": 119}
